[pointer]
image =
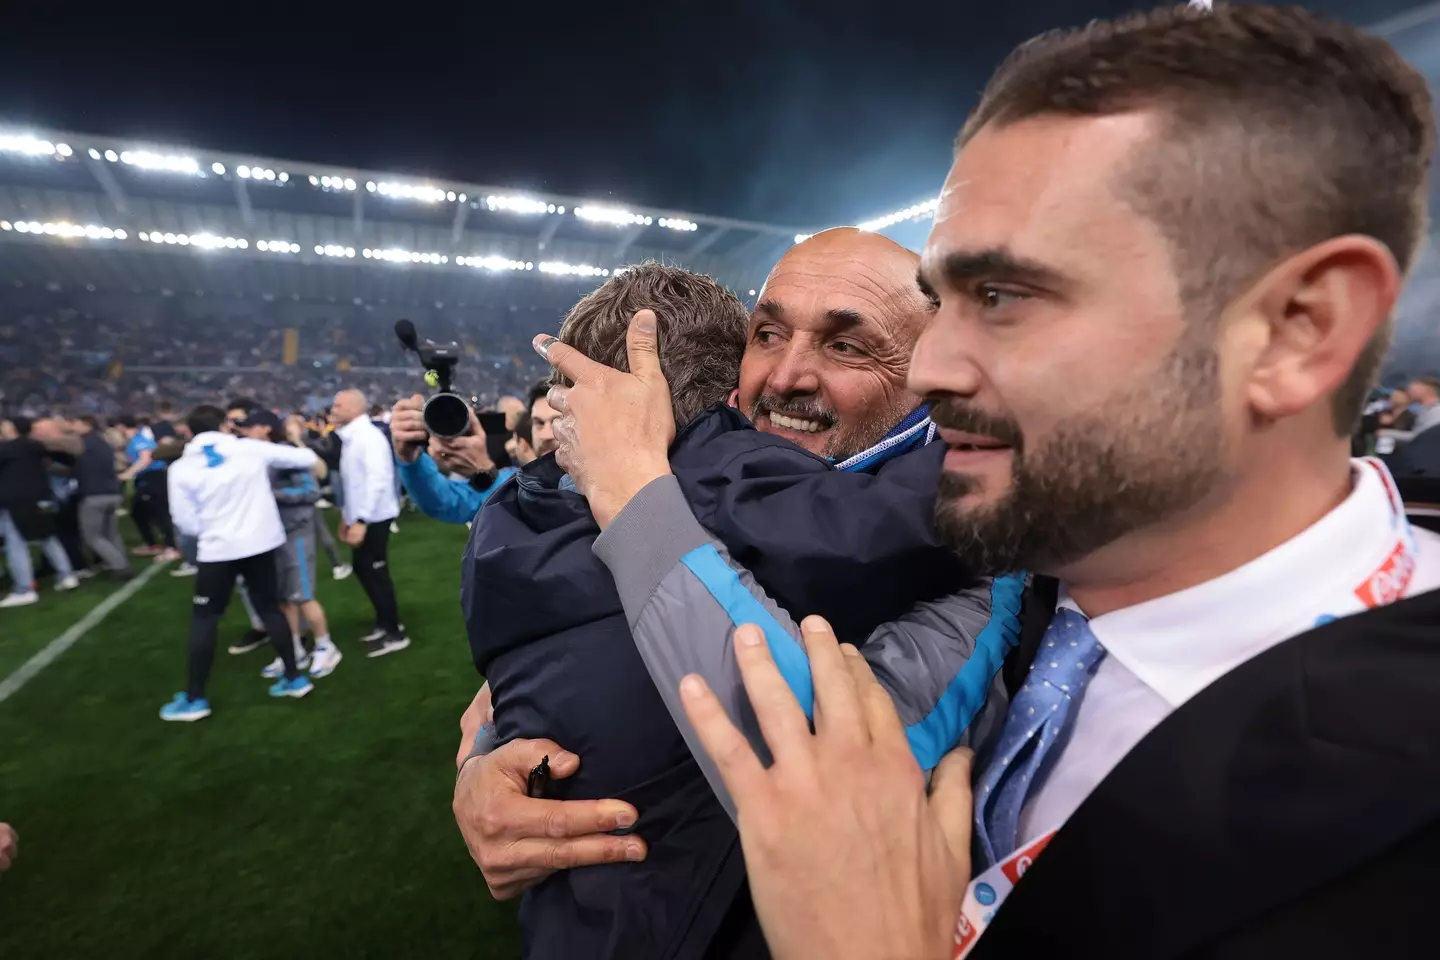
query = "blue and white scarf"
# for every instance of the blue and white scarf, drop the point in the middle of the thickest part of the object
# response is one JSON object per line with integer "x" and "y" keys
{"x": 912, "y": 433}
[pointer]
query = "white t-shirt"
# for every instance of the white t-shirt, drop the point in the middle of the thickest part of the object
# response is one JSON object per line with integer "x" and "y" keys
{"x": 220, "y": 493}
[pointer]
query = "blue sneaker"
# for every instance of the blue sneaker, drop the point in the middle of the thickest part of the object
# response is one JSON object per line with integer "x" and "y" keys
{"x": 185, "y": 710}
{"x": 298, "y": 687}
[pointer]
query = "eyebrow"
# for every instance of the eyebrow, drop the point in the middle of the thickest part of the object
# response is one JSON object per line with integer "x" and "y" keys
{"x": 842, "y": 317}
{"x": 996, "y": 263}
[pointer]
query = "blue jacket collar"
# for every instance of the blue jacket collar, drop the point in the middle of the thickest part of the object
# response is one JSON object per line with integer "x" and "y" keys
{"x": 912, "y": 433}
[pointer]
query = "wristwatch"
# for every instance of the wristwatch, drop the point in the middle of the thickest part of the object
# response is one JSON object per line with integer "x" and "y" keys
{"x": 484, "y": 479}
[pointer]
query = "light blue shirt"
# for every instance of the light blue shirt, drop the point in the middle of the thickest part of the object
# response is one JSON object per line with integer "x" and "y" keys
{"x": 438, "y": 496}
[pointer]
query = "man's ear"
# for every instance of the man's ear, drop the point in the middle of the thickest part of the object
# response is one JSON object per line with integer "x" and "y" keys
{"x": 1308, "y": 320}
{"x": 734, "y": 399}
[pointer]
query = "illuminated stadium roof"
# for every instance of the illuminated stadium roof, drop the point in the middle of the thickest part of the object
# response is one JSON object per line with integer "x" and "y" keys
{"x": 103, "y": 213}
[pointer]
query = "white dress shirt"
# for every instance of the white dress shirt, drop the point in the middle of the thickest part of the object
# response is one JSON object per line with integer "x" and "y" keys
{"x": 367, "y": 471}
{"x": 220, "y": 492}
{"x": 1162, "y": 652}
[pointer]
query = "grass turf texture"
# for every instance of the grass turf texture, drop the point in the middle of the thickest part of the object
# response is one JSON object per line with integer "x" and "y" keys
{"x": 275, "y": 828}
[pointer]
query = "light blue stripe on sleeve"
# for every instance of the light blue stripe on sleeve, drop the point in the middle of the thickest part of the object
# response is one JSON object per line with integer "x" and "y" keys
{"x": 936, "y": 734}
{"x": 741, "y": 606}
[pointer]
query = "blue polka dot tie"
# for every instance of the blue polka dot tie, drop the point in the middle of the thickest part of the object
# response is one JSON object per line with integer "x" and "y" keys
{"x": 1039, "y": 716}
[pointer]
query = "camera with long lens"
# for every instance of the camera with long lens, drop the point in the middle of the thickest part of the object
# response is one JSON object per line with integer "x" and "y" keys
{"x": 446, "y": 413}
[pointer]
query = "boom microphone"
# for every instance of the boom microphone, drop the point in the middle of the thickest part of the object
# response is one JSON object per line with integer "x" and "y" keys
{"x": 405, "y": 330}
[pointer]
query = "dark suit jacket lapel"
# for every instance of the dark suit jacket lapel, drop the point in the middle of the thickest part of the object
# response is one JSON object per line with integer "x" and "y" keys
{"x": 1284, "y": 774}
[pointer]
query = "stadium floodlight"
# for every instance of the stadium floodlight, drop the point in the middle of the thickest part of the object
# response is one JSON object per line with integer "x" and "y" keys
{"x": 64, "y": 228}
{"x": 164, "y": 162}
{"x": 396, "y": 255}
{"x": 334, "y": 250}
{"x": 276, "y": 246}
{"x": 112, "y": 156}
{"x": 493, "y": 263}
{"x": 914, "y": 212}
{"x": 29, "y": 146}
{"x": 558, "y": 268}
{"x": 333, "y": 183}
{"x": 209, "y": 241}
{"x": 94, "y": 154}
{"x": 409, "y": 191}
{"x": 517, "y": 204}
{"x": 63, "y": 149}
{"x": 218, "y": 169}
{"x": 613, "y": 215}
{"x": 673, "y": 223}
{"x": 802, "y": 237}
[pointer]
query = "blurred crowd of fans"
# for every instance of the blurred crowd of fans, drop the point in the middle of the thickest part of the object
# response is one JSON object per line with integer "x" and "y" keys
{"x": 91, "y": 364}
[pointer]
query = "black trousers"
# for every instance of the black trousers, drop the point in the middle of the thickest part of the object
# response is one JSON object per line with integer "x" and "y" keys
{"x": 372, "y": 568}
{"x": 213, "y": 586}
{"x": 151, "y": 509}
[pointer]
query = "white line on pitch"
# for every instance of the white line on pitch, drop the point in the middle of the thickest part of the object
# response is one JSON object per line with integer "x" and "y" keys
{"x": 69, "y": 638}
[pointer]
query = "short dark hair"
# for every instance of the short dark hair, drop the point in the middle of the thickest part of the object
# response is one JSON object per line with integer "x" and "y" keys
{"x": 523, "y": 427}
{"x": 127, "y": 420}
{"x": 1281, "y": 130}
{"x": 242, "y": 403}
{"x": 164, "y": 408}
{"x": 90, "y": 420}
{"x": 701, "y": 328}
{"x": 22, "y": 425}
{"x": 538, "y": 391}
{"x": 205, "y": 418}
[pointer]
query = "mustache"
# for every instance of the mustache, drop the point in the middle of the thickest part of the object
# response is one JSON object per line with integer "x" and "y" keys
{"x": 954, "y": 415}
{"x": 801, "y": 407}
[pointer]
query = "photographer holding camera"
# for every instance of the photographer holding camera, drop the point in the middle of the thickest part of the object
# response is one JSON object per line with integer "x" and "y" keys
{"x": 442, "y": 435}
{"x": 423, "y": 468}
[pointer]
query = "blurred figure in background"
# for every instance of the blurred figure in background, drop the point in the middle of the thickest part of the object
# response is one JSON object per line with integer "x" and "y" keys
{"x": 150, "y": 508}
{"x": 98, "y": 489}
{"x": 222, "y": 496}
{"x": 296, "y": 491}
{"x": 369, "y": 505}
{"x": 27, "y": 508}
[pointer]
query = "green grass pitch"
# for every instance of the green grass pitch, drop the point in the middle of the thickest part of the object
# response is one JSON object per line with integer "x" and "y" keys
{"x": 275, "y": 828}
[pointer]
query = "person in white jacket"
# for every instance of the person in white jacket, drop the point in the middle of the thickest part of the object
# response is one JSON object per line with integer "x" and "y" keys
{"x": 367, "y": 476}
{"x": 220, "y": 494}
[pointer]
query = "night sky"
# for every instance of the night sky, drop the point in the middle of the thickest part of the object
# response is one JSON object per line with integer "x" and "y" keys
{"x": 794, "y": 113}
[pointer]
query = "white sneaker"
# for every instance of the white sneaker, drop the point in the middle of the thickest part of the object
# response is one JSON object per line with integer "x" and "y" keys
{"x": 68, "y": 583}
{"x": 324, "y": 504}
{"x": 324, "y": 661}
{"x": 276, "y": 669}
{"x": 185, "y": 570}
{"x": 20, "y": 599}
{"x": 341, "y": 571}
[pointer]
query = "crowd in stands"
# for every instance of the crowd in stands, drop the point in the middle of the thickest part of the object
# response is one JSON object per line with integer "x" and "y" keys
{"x": 87, "y": 363}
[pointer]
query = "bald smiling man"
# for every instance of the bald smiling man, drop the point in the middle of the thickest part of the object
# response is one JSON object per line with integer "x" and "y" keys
{"x": 824, "y": 366}
{"x": 830, "y": 340}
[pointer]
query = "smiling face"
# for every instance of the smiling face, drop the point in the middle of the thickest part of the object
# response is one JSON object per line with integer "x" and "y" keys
{"x": 829, "y": 343}
{"x": 1077, "y": 400}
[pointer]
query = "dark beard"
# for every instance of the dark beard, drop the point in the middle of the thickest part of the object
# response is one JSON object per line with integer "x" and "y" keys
{"x": 1148, "y": 454}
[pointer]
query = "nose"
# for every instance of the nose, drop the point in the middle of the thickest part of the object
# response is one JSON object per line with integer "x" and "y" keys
{"x": 795, "y": 371}
{"x": 943, "y": 362}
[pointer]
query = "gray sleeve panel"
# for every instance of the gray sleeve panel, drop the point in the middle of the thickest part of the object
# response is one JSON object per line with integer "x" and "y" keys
{"x": 646, "y": 540}
{"x": 915, "y": 657}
